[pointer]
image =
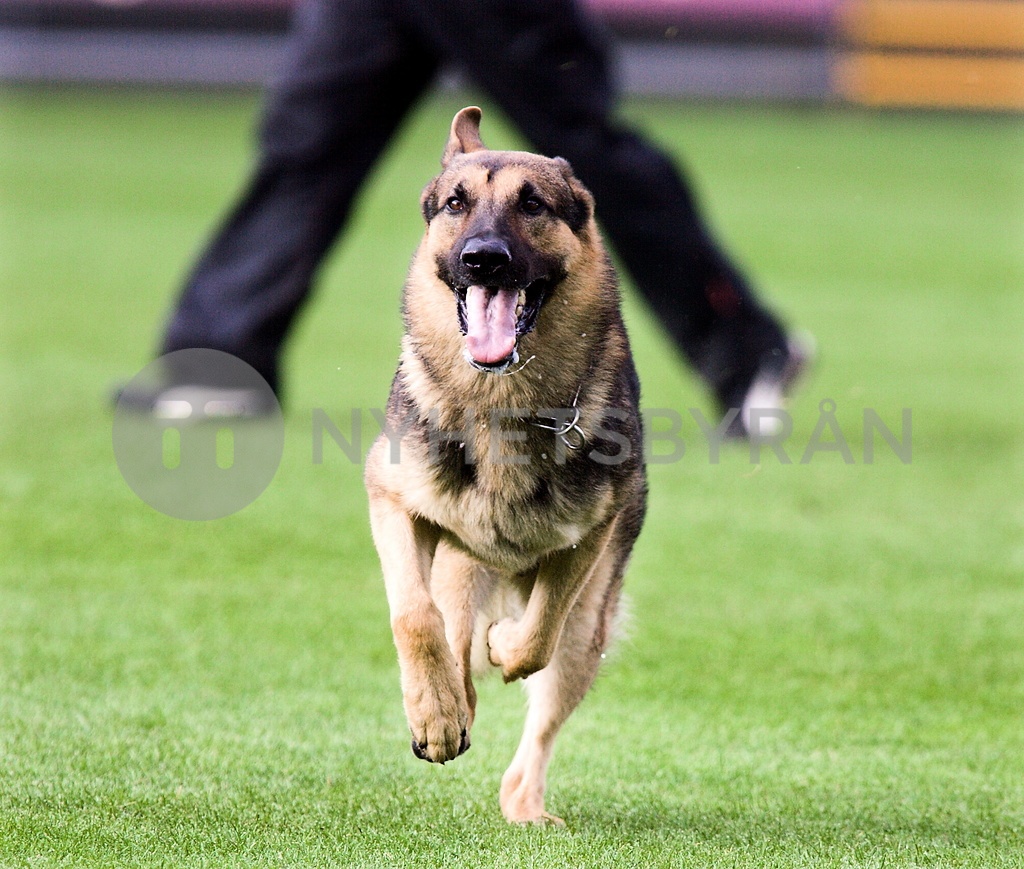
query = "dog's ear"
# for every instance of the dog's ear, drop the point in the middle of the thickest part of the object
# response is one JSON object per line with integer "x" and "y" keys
{"x": 578, "y": 211}
{"x": 465, "y": 135}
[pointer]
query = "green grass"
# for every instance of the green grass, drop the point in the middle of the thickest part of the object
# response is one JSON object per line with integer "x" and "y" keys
{"x": 826, "y": 661}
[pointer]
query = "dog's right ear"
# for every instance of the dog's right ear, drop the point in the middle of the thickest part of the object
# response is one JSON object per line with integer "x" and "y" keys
{"x": 465, "y": 135}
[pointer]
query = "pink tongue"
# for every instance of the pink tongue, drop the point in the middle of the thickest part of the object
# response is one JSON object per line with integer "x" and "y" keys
{"x": 491, "y": 322}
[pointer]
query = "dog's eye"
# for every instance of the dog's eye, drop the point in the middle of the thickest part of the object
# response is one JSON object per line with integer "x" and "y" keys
{"x": 454, "y": 204}
{"x": 533, "y": 205}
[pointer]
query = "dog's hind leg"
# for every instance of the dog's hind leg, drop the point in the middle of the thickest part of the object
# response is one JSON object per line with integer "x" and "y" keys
{"x": 459, "y": 585}
{"x": 557, "y": 690}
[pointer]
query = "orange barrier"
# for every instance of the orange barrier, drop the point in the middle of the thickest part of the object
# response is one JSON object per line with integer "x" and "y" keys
{"x": 881, "y": 79}
{"x": 932, "y": 53}
{"x": 976, "y": 25}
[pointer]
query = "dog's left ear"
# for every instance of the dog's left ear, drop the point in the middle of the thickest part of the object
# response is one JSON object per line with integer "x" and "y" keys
{"x": 580, "y": 209}
{"x": 465, "y": 135}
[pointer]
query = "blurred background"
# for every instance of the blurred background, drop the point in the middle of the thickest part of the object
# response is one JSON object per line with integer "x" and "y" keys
{"x": 936, "y": 53}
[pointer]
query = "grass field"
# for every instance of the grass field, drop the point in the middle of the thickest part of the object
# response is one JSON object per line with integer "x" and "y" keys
{"x": 826, "y": 660}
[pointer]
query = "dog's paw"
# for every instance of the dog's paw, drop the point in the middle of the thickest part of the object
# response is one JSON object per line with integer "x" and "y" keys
{"x": 438, "y": 720}
{"x": 541, "y": 819}
{"x": 523, "y": 803}
{"x": 423, "y": 751}
{"x": 506, "y": 650}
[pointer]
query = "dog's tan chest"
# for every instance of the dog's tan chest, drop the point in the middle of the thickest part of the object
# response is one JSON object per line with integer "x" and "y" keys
{"x": 506, "y": 516}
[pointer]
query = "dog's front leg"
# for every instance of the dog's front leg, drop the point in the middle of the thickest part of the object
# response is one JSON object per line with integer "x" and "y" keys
{"x": 433, "y": 693}
{"x": 522, "y": 647}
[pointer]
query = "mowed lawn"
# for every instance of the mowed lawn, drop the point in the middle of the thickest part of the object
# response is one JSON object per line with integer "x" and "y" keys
{"x": 825, "y": 663}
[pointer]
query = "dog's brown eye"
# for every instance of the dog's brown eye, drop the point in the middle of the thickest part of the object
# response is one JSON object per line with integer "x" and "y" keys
{"x": 454, "y": 204}
{"x": 533, "y": 205}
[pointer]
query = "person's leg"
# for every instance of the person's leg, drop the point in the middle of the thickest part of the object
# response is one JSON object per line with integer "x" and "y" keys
{"x": 351, "y": 74}
{"x": 545, "y": 65}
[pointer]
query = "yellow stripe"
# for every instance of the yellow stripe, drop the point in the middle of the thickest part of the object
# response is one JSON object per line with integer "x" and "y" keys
{"x": 977, "y": 25}
{"x": 877, "y": 78}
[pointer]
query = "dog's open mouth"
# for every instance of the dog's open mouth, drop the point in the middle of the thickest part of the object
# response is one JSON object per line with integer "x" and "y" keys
{"x": 493, "y": 318}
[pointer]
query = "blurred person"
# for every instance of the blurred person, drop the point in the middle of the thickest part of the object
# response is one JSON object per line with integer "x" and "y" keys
{"x": 352, "y": 72}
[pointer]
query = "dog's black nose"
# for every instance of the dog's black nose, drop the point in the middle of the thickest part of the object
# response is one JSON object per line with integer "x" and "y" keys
{"x": 485, "y": 257}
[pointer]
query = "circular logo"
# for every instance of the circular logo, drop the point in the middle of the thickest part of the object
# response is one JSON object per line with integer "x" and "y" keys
{"x": 198, "y": 434}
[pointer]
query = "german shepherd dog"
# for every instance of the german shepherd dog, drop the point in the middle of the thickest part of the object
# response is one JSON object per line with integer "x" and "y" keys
{"x": 508, "y": 487}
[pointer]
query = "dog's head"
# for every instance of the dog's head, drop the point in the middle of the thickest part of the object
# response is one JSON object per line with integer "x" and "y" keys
{"x": 504, "y": 230}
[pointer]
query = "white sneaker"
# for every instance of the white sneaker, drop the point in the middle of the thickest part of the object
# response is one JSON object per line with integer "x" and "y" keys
{"x": 769, "y": 391}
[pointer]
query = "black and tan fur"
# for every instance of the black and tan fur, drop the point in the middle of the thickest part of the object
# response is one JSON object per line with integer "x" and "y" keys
{"x": 480, "y": 514}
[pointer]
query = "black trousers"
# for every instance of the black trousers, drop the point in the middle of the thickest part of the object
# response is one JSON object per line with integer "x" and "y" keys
{"x": 354, "y": 69}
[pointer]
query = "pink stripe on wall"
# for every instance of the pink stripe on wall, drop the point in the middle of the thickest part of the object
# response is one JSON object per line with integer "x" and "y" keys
{"x": 768, "y": 12}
